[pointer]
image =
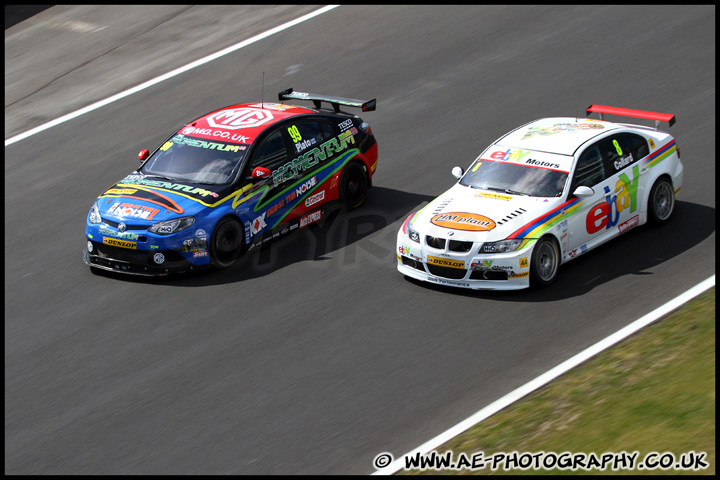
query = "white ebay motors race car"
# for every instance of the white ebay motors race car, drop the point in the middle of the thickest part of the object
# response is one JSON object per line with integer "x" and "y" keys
{"x": 542, "y": 195}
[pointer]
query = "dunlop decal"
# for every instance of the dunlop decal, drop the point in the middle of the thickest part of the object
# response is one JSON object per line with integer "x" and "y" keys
{"x": 446, "y": 262}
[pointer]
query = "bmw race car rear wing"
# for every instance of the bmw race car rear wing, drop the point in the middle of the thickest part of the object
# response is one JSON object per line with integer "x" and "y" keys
{"x": 627, "y": 112}
{"x": 289, "y": 94}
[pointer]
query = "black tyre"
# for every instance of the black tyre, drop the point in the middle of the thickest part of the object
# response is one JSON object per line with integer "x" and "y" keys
{"x": 544, "y": 263}
{"x": 227, "y": 242}
{"x": 353, "y": 185}
{"x": 661, "y": 201}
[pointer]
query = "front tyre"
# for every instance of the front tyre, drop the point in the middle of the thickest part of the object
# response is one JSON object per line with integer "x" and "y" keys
{"x": 661, "y": 202}
{"x": 353, "y": 185}
{"x": 227, "y": 241}
{"x": 544, "y": 263}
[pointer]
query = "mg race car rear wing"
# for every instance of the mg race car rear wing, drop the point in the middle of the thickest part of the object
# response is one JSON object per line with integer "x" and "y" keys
{"x": 627, "y": 112}
{"x": 289, "y": 94}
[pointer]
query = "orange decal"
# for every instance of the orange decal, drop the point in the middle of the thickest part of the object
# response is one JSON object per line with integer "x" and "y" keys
{"x": 463, "y": 221}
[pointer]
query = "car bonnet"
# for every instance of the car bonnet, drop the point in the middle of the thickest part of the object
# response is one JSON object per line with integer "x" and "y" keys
{"x": 470, "y": 214}
{"x": 144, "y": 198}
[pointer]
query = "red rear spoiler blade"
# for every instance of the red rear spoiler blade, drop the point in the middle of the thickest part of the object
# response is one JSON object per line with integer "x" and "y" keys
{"x": 627, "y": 112}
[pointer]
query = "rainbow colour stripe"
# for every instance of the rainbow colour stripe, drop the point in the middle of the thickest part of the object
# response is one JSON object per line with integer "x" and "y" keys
{"x": 659, "y": 155}
{"x": 537, "y": 227}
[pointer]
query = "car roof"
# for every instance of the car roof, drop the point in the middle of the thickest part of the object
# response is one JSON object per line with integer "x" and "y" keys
{"x": 241, "y": 123}
{"x": 560, "y": 135}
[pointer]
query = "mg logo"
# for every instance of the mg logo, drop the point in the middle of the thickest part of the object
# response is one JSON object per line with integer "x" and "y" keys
{"x": 239, "y": 118}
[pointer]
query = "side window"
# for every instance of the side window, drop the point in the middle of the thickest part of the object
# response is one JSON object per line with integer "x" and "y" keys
{"x": 589, "y": 170}
{"x": 622, "y": 150}
{"x": 306, "y": 135}
{"x": 271, "y": 154}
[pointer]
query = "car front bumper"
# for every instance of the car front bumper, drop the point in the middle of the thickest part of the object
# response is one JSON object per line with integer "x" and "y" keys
{"x": 501, "y": 271}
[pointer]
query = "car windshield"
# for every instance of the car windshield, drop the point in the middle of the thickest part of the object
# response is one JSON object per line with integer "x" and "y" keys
{"x": 194, "y": 160}
{"x": 515, "y": 179}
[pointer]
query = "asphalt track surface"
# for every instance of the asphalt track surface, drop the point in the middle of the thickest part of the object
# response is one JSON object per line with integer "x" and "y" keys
{"x": 315, "y": 355}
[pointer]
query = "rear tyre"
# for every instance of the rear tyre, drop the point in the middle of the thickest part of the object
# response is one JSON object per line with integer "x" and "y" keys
{"x": 353, "y": 185}
{"x": 544, "y": 263}
{"x": 227, "y": 242}
{"x": 661, "y": 202}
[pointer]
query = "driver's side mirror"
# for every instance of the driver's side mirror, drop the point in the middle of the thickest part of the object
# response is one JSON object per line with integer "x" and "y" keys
{"x": 583, "y": 191}
{"x": 261, "y": 172}
{"x": 144, "y": 154}
{"x": 457, "y": 172}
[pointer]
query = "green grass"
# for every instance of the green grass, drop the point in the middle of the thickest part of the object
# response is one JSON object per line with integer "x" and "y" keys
{"x": 654, "y": 392}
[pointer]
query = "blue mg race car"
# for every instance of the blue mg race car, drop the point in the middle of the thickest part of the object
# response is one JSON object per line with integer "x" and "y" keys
{"x": 230, "y": 180}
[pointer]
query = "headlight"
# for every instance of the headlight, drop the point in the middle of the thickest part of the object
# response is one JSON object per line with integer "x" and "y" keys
{"x": 172, "y": 226}
{"x": 94, "y": 215}
{"x": 509, "y": 245}
{"x": 414, "y": 235}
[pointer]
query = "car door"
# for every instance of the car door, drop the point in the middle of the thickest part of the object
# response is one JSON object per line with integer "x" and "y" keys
{"x": 307, "y": 136}
{"x": 610, "y": 167}
{"x": 261, "y": 189}
{"x": 583, "y": 231}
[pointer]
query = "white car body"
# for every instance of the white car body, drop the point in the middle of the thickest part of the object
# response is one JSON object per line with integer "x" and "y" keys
{"x": 619, "y": 190}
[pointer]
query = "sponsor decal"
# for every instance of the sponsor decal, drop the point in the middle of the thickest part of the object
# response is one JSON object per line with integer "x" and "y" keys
{"x": 463, "y": 221}
{"x": 524, "y": 262}
{"x": 606, "y": 214}
{"x": 141, "y": 180}
{"x": 446, "y": 262}
{"x": 494, "y": 195}
{"x": 509, "y": 154}
{"x": 194, "y": 142}
{"x": 258, "y": 224}
{"x": 311, "y": 218}
{"x": 120, "y": 209}
{"x": 237, "y": 118}
{"x": 575, "y": 252}
{"x": 209, "y": 132}
{"x": 318, "y": 197}
{"x": 120, "y": 191}
{"x": 518, "y": 275}
{"x": 344, "y": 125}
{"x": 625, "y": 226}
{"x": 313, "y": 157}
{"x": 442, "y": 281}
{"x": 276, "y": 207}
{"x": 119, "y": 243}
{"x": 200, "y": 253}
{"x": 560, "y": 128}
{"x": 280, "y": 107}
{"x": 147, "y": 196}
{"x": 125, "y": 236}
{"x": 306, "y": 186}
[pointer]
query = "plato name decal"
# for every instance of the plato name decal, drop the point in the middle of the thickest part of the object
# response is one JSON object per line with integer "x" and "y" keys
{"x": 463, "y": 221}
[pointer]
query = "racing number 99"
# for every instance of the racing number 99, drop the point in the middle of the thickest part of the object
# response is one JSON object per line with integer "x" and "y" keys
{"x": 294, "y": 134}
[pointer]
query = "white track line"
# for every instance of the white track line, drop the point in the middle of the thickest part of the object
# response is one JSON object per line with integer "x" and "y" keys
{"x": 552, "y": 374}
{"x": 166, "y": 76}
